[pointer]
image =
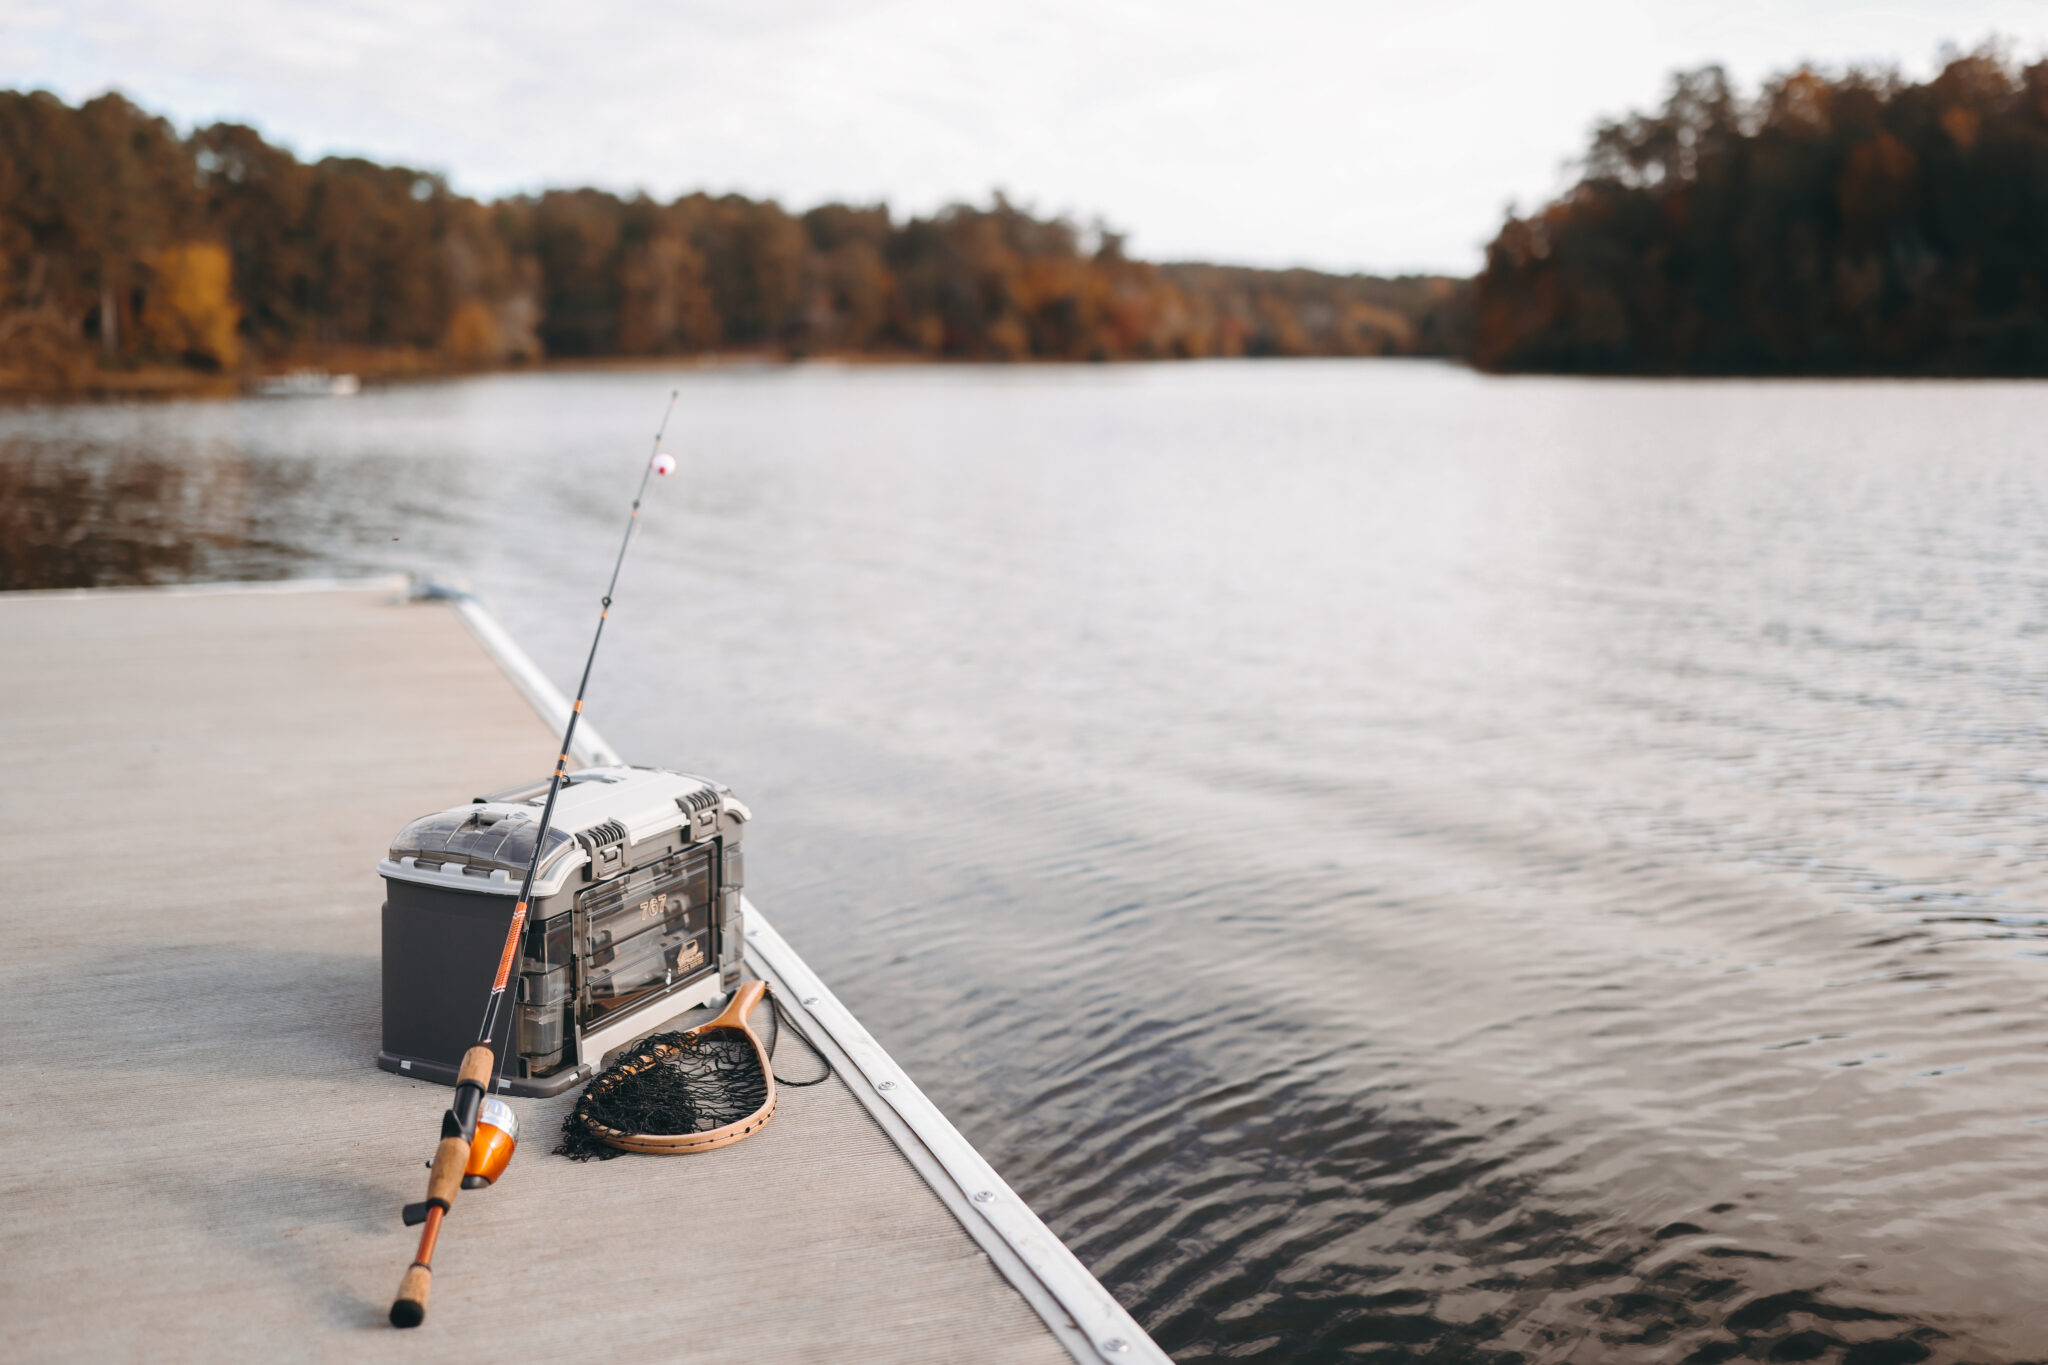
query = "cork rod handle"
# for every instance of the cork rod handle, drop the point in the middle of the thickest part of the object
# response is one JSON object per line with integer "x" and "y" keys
{"x": 451, "y": 1158}
{"x": 409, "y": 1309}
{"x": 477, "y": 1065}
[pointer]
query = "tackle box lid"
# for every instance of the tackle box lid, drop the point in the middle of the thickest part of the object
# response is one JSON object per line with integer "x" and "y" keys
{"x": 485, "y": 846}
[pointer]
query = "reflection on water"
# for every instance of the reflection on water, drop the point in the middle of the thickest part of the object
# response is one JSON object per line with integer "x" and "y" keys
{"x": 1396, "y": 865}
{"x": 79, "y": 520}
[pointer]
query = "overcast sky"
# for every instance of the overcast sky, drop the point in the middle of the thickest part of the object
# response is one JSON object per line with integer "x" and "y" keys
{"x": 1365, "y": 135}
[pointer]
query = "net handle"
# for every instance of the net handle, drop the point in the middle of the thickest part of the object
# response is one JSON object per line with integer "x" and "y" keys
{"x": 734, "y": 1015}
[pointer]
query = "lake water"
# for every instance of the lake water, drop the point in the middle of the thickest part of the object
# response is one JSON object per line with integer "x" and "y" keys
{"x": 1393, "y": 864}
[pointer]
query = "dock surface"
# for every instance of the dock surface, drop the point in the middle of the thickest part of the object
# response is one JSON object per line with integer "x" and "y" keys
{"x": 199, "y": 1160}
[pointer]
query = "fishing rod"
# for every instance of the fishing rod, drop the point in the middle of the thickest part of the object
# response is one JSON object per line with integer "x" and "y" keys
{"x": 479, "y": 1068}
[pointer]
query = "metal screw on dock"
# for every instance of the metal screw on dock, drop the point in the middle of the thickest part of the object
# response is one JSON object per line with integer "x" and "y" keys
{"x": 886, "y": 1085}
{"x": 984, "y": 1196}
{"x": 810, "y": 1000}
{"x": 1116, "y": 1346}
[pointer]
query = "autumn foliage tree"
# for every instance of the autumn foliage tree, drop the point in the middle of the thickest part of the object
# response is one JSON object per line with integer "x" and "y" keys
{"x": 124, "y": 245}
{"x": 1858, "y": 223}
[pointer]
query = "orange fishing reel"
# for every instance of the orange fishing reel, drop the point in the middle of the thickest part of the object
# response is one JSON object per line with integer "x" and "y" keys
{"x": 497, "y": 1133}
{"x": 490, "y": 1151}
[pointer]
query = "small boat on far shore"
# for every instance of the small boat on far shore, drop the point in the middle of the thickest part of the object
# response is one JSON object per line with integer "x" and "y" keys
{"x": 307, "y": 384}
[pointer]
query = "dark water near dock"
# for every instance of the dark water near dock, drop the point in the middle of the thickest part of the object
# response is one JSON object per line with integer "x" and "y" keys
{"x": 1394, "y": 864}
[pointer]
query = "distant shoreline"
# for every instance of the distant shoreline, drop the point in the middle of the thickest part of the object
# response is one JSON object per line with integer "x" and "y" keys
{"x": 169, "y": 382}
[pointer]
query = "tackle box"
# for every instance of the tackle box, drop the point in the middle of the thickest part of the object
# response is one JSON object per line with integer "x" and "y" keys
{"x": 635, "y": 918}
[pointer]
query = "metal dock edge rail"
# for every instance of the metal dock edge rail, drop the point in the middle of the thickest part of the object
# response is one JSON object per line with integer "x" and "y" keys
{"x": 1063, "y": 1292}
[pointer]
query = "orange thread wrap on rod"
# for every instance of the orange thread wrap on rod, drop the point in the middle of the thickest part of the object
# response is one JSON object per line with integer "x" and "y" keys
{"x": 511, "y": 949}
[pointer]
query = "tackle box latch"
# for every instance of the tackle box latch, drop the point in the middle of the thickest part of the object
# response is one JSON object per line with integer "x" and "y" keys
{"x": 700, "y": 813}
{"x": 606, "y": 845}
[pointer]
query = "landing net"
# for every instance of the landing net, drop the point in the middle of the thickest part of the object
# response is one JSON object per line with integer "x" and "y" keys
{"x": 673, "y": 1084}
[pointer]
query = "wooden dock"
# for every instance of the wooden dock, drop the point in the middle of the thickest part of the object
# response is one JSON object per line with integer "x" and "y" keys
{"x": 199, "y": 1160}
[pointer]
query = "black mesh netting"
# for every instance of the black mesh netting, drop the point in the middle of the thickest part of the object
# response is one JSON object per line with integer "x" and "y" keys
{"x": 678, "y": 1083}
{"x": 672, "y": 1083}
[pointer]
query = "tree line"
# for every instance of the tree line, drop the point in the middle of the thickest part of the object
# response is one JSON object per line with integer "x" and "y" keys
{"x": 1856, "y": 223}
{"x": 126, "y": 246}
{"x": 1848, "y": 223}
